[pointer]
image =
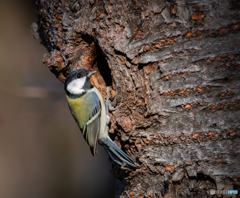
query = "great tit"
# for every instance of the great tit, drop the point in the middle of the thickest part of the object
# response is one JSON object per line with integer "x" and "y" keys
{"x": 91, "y": 115}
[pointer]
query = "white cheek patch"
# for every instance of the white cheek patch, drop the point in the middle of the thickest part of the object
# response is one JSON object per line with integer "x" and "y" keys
{"x": 76, "y": 86}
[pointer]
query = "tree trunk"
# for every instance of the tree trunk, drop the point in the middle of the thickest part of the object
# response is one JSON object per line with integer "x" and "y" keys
{"x": 174, "y": 68}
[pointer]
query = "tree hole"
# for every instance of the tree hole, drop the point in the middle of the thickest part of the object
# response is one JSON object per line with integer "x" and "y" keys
{"x": 103, "y": 66}
{"x": 100, "y": 59}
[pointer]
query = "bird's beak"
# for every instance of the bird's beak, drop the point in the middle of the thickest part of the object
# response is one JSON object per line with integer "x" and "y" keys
{"x": 90, "y": 73}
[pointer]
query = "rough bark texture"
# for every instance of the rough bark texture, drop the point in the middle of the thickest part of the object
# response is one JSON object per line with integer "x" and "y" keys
{"x": 174, "y": 67}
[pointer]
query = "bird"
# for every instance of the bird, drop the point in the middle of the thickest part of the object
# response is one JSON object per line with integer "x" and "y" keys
{"x": 91, "y": 115}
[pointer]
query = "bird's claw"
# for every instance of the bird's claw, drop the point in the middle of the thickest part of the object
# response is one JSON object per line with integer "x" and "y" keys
{"x": 111, "y": 108}
{"x": 107, "y": 103}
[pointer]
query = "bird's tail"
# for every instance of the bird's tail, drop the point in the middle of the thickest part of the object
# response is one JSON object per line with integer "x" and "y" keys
{"x": 116, "y": 153}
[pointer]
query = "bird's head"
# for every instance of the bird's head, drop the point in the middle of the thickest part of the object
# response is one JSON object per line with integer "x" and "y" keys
{"x": 78, "y": 81}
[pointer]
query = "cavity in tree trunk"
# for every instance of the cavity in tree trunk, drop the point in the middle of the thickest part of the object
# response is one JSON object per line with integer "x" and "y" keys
{"x": 174, "y": 69}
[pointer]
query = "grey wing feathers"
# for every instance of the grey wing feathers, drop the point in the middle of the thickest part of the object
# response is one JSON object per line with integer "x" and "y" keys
{"x": 92, "y": 127}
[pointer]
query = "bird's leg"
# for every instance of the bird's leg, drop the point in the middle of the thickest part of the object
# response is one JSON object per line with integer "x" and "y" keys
{"x": 108, "y": 105}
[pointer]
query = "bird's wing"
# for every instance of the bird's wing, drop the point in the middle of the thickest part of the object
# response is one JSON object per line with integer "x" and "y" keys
{"x": 92, "y": 127}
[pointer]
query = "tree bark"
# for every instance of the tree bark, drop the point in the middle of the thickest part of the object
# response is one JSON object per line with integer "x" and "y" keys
{"x": 174, "y": 69}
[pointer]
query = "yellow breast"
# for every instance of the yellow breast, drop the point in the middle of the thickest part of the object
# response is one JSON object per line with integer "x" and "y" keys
{"x": 79, "y": 109}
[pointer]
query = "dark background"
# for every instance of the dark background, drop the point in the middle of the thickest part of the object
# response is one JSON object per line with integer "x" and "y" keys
{"x": 42, "y": 152}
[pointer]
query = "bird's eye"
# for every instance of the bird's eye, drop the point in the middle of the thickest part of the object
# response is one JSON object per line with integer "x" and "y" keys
{"x": 79, "y": 76}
